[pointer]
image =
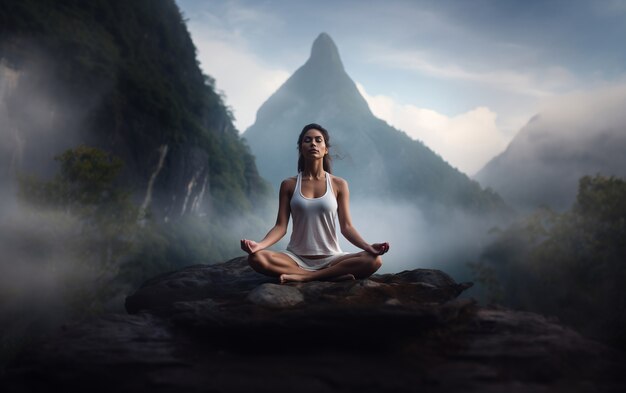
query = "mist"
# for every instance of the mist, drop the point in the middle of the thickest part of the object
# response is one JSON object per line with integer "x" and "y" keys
{"x": 51, "y": 268}
{"x": 43, "y": 279}
{"x": 445, "y": 240}
{"x": 39, "y": 120}
{"x": 43, "y": 283}
{"x": 39, "y": 117}
{"x": 425, "y": 236}
{"x": 573, "y": 135}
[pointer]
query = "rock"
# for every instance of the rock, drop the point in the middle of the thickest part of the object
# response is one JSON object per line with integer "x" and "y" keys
{"x": 195, "y": 283}
{"x": 227, "y": 328}
{"x": 276, "y": 296}
{"x": 234, "y": 279}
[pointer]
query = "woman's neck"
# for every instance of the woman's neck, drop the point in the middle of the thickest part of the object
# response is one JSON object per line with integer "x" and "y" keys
{"x": 313, "y": 170}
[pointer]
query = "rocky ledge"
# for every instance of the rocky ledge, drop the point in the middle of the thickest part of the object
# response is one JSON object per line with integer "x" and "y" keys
{"x": 225, "y": 328}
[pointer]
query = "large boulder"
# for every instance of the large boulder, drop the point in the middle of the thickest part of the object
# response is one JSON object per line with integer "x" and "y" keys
{"x": 227, "y": 328}
{"x": 230, "y": 282}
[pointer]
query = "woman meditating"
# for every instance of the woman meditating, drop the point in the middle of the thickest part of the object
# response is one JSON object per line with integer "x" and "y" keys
{"x": 315, "y": 198}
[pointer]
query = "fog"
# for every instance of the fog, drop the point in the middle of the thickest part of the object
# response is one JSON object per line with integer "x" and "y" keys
{"x": 33, "y": 249}
{"x": 585, "y": 112}
{"x": 43, "y": 268}
{"x": 426, "y": 236}
{"x": 573, "y": 135}
{"x": 39, "y": 118}
{"x": 39, "y": 122}
{"x": 46, "y": 277}
{"x": 41, "y": 278}
{"x": 51, "y": 260}
{"x": 444, "y": 240}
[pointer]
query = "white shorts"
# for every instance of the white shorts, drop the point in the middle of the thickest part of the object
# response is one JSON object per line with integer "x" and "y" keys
{"x": 313, "y": 264}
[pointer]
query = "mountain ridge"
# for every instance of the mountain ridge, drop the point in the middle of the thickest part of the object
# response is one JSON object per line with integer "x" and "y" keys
{"x": 366, "y": 147}
{"x": 582, "y": 134}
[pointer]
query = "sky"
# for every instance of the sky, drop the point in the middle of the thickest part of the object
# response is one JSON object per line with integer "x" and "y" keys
{"x": 461, "y": 76}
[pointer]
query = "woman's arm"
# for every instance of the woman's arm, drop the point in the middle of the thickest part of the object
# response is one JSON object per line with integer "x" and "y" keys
{"x": 280, "y": 228}
{"x": 345, "y": 222}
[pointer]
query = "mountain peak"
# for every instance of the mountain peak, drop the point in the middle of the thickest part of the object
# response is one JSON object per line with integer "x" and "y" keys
{"x": 322, "y": 92}
{"x": 325, "y": 53}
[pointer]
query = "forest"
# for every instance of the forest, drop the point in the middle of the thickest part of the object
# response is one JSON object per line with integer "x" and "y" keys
{"x": 568, "y": 264}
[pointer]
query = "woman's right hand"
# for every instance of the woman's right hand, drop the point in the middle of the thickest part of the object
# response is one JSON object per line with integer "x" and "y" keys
{"x": 379, "y": 248}
{"x": 250, "y": 246}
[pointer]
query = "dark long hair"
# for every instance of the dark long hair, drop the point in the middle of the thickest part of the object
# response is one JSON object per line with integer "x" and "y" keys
{"x": 327, "y": 159}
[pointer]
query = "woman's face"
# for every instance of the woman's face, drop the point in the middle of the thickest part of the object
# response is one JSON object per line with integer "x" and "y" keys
{"x": 313, "y": 144}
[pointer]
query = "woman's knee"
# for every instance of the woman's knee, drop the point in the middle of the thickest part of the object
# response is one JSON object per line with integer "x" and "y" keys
{"x": 257, "y": 260}
{"x": 374, "y": 262}
{"x": 377, "y": 262}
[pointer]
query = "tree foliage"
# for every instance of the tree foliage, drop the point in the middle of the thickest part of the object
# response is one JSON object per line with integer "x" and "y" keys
{"x": 134, "y": 66}
{"x": 118, "y": 251}
{"x": 571, "y": 264}
{"x": 84, "y": 192}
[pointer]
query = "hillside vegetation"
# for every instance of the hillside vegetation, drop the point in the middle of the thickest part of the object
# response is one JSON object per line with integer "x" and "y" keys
{"x": 130, "y": 69}
{"x": 119, "y": 160}
{"x": 568, "y": 264}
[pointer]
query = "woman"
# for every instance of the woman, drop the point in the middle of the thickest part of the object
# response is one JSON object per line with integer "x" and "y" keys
{"x": 314, "y": 198}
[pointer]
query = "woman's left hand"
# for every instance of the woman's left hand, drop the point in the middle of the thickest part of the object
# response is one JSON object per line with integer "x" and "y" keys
{"x": 250, "y": 246}
{"x": 379, "y": 248}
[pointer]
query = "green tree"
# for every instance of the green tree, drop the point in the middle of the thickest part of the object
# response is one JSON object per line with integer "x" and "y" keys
{"x": 571, "y": 264}
{"x": 85, "y": 192}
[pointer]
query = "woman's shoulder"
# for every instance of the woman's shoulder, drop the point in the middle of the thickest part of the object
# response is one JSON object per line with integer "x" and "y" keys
{"x": 338, "y": 182}
{"x": 290, "y": 180}
{"x": 289, "y": 183}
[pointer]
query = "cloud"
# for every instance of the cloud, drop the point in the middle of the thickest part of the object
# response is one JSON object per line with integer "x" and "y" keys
{"x": 541, "y": 82}
{"x": 467, "y": 141}
{"x": 574, "y": 135}
{"x": 245, "y": 80}
{"x": 586, "y": 111}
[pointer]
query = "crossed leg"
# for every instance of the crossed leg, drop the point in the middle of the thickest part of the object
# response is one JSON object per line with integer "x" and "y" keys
{"x": 273, "y": 263}
{"x": 349, "y": 266}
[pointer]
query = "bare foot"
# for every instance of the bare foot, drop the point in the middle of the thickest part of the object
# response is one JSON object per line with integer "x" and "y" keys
{"x": 344, "y": 277}
{"x": 293, "y": 278}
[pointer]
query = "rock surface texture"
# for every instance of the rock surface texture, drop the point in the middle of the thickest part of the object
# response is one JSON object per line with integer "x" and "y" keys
{"x": 226, "y": 328}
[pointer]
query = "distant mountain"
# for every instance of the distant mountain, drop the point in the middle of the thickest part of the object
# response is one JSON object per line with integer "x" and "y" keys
{"x": 122, "y": 76}
{"x": 581, "y": 135}
{"x": 376, "y": 159}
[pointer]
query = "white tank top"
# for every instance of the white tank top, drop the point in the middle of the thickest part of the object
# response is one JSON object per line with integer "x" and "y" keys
{"x": 314, "y": 231}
